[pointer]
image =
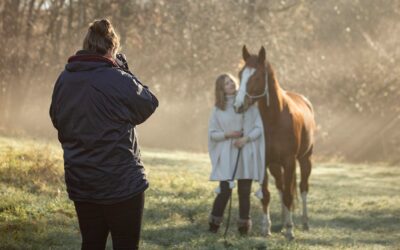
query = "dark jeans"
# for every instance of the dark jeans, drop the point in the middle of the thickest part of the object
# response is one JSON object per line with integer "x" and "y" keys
{"x": 244, "y": 189}
{"x": 122, "y": 219}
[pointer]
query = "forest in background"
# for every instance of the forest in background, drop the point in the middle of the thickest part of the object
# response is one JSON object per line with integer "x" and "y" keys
{"x": 343, "y": 55}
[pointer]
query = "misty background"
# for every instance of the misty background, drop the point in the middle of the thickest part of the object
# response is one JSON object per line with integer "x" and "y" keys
{"x": 341, "y": 54}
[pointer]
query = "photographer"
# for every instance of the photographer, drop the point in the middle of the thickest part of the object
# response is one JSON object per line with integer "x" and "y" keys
{"x": 95, "y": 107}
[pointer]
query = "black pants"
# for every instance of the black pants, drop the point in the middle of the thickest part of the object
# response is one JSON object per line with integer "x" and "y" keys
{"x": 122, "y": 219}
{"x": 244, "y": 189}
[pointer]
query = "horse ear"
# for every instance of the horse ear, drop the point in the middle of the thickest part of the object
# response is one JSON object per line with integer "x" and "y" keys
{"x": 245, "y": 53}
{"x": 261, "y": 55}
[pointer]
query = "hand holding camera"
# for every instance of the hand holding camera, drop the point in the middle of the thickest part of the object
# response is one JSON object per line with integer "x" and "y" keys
{"x": 121, "y": 61}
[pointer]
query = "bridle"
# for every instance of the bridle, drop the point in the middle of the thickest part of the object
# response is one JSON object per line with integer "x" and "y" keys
{"x": 265, "y": 93}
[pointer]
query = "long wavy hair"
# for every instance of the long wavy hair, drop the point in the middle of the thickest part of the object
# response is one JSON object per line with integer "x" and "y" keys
{"x": 220, "y": 96}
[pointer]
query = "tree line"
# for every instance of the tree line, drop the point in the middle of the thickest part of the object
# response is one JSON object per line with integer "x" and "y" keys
{"x": 341, "y": 54}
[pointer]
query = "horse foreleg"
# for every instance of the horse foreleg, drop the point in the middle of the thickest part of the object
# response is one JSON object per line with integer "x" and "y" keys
{"x": 288, "y": 195}
{"x": 276, "y": 171}
{"x": 305, "y": 170}
{"x": 266, "y": 221}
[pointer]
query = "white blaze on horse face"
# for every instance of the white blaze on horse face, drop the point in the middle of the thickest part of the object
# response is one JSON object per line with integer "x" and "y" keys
{"x": 246, "y": 74}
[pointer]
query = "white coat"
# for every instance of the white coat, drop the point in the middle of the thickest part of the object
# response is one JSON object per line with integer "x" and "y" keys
{"x": 222, "y": 151}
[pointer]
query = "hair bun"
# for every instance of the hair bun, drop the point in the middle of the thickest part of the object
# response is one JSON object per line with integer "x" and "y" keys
{"x": 101, "y": 27}
{"x": 101, "y": 37}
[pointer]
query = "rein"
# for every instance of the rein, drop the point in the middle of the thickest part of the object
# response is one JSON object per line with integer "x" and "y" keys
{"x": 226, "y": 243}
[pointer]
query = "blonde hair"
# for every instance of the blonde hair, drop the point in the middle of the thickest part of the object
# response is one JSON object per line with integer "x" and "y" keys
{"x": 101, "y": 38}
{"x": 220, "y": 96}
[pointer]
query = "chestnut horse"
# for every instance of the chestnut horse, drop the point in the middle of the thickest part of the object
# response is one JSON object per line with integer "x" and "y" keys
{"x": 289, "y": 126}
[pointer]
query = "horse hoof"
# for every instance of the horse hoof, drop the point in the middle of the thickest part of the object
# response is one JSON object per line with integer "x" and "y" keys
{"x": 267, "y": 234}
{"x": 289, "y": 237}
{"x": 277, "y": 228}
{"x": 306, "y": 227}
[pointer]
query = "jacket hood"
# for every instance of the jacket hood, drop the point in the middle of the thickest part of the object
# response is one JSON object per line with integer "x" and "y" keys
{"x": 85, "y": 60}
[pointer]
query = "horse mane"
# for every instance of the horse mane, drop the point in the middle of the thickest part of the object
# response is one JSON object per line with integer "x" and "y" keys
{"x": 275, "y": 90}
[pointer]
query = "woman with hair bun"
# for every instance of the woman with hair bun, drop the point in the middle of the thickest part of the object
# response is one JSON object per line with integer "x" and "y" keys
{"x": 96, "y": 105}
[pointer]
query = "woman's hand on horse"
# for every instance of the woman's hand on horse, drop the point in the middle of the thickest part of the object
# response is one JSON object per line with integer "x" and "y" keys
{"x": 233, "y": 134}
{"x": 239, "y": 143}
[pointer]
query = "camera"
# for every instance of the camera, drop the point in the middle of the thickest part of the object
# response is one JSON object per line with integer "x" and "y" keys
{"x": 121, "y": 61}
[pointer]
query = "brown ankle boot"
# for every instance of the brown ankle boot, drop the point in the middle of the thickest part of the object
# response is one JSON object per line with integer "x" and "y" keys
{"x": 244, "y": 226}
{"x": 214, "y": 223}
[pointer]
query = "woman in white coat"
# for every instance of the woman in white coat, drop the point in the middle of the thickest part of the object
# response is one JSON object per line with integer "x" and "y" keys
{"x": 228, "y": 132}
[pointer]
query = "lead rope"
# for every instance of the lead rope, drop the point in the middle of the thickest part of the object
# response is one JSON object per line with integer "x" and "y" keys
{"x": 226, "y": 243}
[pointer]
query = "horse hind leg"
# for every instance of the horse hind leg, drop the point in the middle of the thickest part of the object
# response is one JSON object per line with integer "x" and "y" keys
{"x": 266, "y": 220}
{"x": 305, "y": 170}
{"x": 288, "y": 195}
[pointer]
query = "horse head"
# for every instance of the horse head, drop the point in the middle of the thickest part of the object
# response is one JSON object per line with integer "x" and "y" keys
{"x": 253, "y": 85}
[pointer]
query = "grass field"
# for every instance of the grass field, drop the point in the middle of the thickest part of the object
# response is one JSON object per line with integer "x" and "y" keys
{"x": 350, "y": 206}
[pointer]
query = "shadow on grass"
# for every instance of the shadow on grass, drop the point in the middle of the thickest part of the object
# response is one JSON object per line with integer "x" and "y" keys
{"x": 379, "y": 225}
{"x": 368, "y": 220}
{"x": 159, "y": 212}
{"x": 39, "y": 234}
{"x": 170, "y": 236}
{"x": 196, "y": 236}
{"x": 345, "y": 230}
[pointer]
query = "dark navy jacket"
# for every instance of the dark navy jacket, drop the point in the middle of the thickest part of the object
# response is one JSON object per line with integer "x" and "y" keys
{"x": 95, "y": 108}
